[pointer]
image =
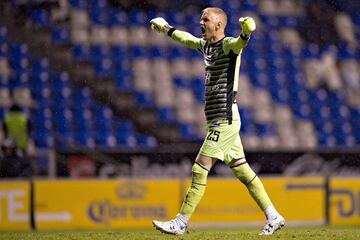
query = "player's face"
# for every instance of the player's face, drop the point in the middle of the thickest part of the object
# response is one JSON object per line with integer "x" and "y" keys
{"x": 208, "y": 25}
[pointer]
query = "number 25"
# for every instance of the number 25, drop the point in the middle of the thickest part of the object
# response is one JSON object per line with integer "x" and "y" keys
{"x": 213, "y": 135}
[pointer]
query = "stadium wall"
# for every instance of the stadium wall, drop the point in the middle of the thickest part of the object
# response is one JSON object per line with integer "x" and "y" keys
{"x": 130, "y": 203}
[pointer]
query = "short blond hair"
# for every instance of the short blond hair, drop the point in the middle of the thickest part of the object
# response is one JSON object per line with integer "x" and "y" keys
{"x": 218, "y": 11}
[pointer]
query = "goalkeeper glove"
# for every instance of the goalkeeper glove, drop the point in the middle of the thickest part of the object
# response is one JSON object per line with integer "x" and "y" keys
{"x": 160, "y": 25}
{"x": 248, "y": 25}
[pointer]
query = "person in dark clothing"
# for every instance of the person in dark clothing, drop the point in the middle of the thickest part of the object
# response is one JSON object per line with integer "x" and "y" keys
{"x": 12, "y": 162}
{"x": 318, "y": 26}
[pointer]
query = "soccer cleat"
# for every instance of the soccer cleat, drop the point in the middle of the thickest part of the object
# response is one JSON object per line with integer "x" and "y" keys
{"x": 273, "y": 225}
{"x": 170, "y": 227}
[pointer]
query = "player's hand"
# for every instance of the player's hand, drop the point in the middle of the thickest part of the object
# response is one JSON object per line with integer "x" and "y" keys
{"x": 160, "y": 25}
{"x": 248, "y": 25}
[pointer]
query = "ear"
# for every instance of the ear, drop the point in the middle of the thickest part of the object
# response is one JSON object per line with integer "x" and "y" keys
{"x": 218, "y": 26}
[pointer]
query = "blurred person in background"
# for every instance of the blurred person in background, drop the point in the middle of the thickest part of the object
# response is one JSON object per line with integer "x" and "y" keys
{"x": 222, "y": 63}
{"x": 16, "y": 126}
{"x": 23, "y": 8}
{"x": 12, "y": 162}
{"x": 318, "y": 26}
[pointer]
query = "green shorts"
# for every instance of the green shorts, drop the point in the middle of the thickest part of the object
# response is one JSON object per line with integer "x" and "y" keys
{"x": 223, "y": 141}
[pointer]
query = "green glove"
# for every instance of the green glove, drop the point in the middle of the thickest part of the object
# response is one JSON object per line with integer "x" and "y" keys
{"x": 248, "y": 25}
{"x": 159, "y": 24}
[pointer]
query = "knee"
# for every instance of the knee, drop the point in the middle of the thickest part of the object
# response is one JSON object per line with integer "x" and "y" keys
{"x": 199, "y": 172}
{"x": 244, "y": 173}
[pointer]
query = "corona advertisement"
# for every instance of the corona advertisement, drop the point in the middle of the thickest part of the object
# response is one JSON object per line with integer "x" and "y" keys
{"x": 345, "y": 201}
{"x": 96, "y": 204}
{"x": 127, "y": 203}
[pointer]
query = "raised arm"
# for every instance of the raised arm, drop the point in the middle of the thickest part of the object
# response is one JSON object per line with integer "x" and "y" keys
{"x": 236, "y": 44}
{"x": 161, "y": 25}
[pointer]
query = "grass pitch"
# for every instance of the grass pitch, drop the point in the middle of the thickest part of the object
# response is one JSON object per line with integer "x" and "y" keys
{"x": 293, "y": 233}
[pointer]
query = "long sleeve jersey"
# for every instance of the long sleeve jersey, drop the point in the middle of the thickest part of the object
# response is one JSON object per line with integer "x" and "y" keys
{"x": 222, "y": 64}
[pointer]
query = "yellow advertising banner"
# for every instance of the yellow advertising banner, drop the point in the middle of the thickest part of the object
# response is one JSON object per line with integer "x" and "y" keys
{"x": 344, "y": 201}
{"x": 14, "y": 205}
{"x": 227, "y": 201}
{"x": 96, "y": 204}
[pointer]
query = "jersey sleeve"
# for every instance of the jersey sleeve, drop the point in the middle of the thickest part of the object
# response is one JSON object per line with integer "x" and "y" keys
{"x": 234, "y": 44}
{"x": 188, "y": 40}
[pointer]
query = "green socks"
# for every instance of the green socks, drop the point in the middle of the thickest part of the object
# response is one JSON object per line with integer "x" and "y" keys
{"x": 255, "y": 187}
{"x": 196, "y": 190}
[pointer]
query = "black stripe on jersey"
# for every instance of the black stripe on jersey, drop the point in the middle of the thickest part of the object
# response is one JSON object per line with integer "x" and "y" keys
{"x": 209, "y": 118}
{"x": 217, "y": 73}
{"x": 230, "y": 85}
{"x": 215, "y": 101}
{"x": 210, "y": 111}
{"x": 222, "y": 60}
{"x": 217, "y": 67}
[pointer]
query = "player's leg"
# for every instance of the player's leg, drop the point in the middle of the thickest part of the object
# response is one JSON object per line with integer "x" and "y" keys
{"x": 248, "y": 177}
{"x": 235, "y": 158}
{"x": 200, "y": 171}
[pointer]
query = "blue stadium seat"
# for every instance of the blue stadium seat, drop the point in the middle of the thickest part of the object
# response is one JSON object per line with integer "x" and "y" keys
{"x": 21, "y": 79}
{"x": 144, "y": 99}
{"x": 146, "y": 141}
{"x": 21, "y": 65}
{"x": 60, "y": 35}
{"x": 64, "y": 140}
{"x": 120, "y": 53}
{"x": 43, "y": 139}
{"x": 138, "y": 17}
{"x": 19, "y": 51}
{"x": 85, "y": 138}
{"x": 3, "y": 111}
{"x": 181, "y": 82}
{"x": 288, "y": 21}
{"x": 100, "y": 51}
{"x": 124, "y": 82}
{"x": 4, "y": 81}
{"x": 79, "y": 4}
{"x": 105, "y": 139}
{"x": 264, "y": 129}
{"x": 198, "y": 86}
{"x": 166, "y": 115}
{"x": 81, "y": 52}
{"x": 40, "y": 18}
{"x": 139, "y": 52}
{"x": 188, "y": 131}
{"x": 103, "y": 67}
{"x": 4, "y": 49}
{"x": 175, "y": 18}
{"x": 118, "y": 17}
{"x": 311, "y": 51}
{"x": 100, "y": 17}
{"x": 40, "y": 65}
{"x": 3, "y": 34}
{"x": 346, "y": 52}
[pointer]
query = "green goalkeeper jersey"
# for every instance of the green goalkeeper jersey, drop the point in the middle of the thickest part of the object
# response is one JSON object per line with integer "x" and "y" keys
{"x": 222, "y": 65}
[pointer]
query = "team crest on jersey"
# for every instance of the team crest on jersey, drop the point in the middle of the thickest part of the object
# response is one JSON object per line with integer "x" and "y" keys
{"x": 215, "y": 88}
{"x": 214, "y": 54}
{"x": 207, "y": 78}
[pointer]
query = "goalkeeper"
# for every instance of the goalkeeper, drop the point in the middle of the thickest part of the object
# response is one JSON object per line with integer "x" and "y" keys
{"x": 222, "y": 62}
